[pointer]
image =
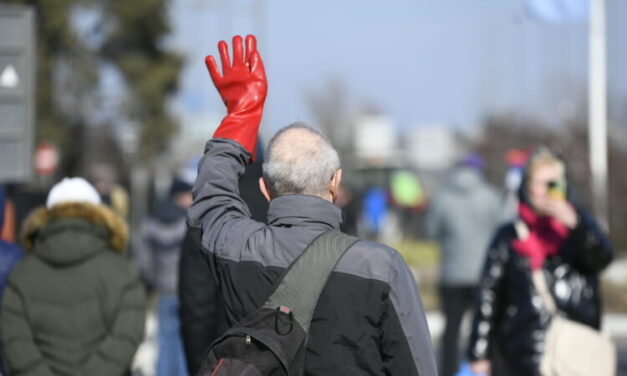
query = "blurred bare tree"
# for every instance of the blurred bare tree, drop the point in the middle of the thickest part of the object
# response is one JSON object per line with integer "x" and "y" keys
{"x": 330, "y": 106}
{"x": 105, "y": 150}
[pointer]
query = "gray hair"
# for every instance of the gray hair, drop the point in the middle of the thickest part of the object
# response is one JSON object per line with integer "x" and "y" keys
{"x": 300, "y": 160}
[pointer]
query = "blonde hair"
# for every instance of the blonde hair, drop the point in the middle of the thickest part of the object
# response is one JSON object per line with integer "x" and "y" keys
{"x": 545, "y": 157}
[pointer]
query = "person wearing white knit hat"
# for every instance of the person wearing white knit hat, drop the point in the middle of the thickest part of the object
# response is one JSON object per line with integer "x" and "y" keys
{"x": 72, "y": 190}
{"x": 74, "y": 305}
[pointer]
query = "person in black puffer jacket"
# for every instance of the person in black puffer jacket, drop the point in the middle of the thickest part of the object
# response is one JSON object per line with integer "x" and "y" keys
{"x": 562, "y": 241}
{"x": 203, "y": 316}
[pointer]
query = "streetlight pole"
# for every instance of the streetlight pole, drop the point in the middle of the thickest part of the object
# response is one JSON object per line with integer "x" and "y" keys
{"x": 597, "y": 110}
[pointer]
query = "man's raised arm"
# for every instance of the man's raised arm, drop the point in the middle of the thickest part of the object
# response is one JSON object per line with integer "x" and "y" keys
{"x": 218, "y": 207}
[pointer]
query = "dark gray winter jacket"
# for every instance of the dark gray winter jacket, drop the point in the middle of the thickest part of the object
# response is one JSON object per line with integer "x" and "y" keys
{"x": 158, "y": 254}
{"x": 369, "y": 319}
{"x": 462, "y": 218}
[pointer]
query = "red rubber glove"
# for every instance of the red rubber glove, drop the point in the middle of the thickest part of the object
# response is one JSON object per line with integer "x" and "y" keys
{"x": 243, "y": 88}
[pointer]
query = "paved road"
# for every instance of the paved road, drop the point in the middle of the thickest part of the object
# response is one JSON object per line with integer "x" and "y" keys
{"x": 621, "y": 343}
{"x": 616, "y": 324}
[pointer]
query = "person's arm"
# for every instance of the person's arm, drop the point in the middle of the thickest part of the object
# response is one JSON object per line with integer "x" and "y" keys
{"x": 589, "y": 247}
{"x": 218, "y": 207}
{"x": 243, "y": 87}
{"x": 21, "y": 351}
{"x": 125, "y": 332}
{"x": 203, "y": 317}
{"x": 488, "y": 303}
{"x": 406, "y": 347}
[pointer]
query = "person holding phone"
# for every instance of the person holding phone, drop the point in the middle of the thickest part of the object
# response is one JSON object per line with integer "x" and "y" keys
{"x": 551, "y": 235}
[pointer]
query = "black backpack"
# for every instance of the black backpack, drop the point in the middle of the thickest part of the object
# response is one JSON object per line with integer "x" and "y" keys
{"x": 272, "y": 341}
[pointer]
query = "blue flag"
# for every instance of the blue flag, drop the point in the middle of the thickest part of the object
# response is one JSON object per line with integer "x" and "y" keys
{"x": 558, "y": 11}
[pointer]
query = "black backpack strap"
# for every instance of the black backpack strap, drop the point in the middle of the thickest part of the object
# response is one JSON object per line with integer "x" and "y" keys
{"x": 302, "y": 283}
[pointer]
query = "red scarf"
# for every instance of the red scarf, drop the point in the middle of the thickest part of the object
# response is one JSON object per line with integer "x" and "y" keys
{"x": 546, "y": 236}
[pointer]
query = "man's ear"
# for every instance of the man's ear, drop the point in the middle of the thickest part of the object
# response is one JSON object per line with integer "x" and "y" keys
{"x": 334, "y": 189}
{"x": 265, "y": 189}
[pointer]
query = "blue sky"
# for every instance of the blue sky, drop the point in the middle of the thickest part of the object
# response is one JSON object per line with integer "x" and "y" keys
{"x": 421, "y": 62}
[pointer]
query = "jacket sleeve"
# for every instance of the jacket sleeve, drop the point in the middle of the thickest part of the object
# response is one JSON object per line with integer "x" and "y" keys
{"x": 433, "y": 219}
{"x": 126, "y": 330}
{"x": 588, "y": 246}
{"x": 203, "y": 317}
{"x": 143, "y": 256}
{"x": 218, "y": 208}
{"x": 488, "y": 305}
{"x": 20, "y": 349}
{"x": 406, "y": 347}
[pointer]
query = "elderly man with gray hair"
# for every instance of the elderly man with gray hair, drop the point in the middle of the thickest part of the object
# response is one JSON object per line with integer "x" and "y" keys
{"x": 369, "y": 319}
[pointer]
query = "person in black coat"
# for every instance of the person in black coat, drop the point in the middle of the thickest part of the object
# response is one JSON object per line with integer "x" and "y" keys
{"x": 203, "y": 319}
{"x": 552, "y": 236}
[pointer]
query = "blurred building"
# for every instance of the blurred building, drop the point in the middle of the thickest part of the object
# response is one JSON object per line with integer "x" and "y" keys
{"x": 375, "y": 141}
{"x": 432, "y": 147}
{"x": 196, "y": 129}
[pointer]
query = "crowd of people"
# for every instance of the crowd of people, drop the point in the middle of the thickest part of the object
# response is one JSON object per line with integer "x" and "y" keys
{"x": 214, "y": 250}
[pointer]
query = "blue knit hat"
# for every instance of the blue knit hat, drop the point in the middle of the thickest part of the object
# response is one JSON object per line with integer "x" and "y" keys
{"x": 473, "y": 160}
{"x": 179, "y": 186}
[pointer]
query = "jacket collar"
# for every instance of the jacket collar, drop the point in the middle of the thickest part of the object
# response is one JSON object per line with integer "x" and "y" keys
{"x": 114, "y": 228}
{"x": 304, "y": 210}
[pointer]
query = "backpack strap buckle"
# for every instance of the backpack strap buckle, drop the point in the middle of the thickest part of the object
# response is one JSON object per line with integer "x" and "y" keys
{"x": 283, "y": 320}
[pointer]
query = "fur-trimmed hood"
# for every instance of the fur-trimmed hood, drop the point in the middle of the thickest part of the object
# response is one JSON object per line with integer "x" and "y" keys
{"x": 74, "y": 225}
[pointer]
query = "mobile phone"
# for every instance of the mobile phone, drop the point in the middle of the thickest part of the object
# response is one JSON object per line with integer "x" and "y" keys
{"x": 557, "y": 189}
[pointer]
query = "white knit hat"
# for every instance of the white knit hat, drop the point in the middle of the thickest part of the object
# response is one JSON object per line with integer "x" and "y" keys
{"x": 72, "y": 190}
